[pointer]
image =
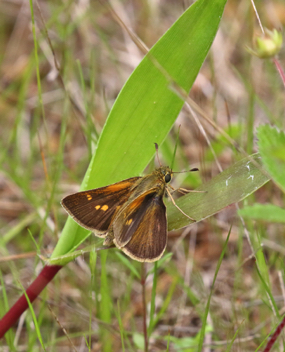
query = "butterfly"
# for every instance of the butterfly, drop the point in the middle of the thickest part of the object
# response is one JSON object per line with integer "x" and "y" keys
{"x": 130, "y": 214}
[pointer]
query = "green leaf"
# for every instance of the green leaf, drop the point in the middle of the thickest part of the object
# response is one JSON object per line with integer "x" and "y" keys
{"x": 128, "y": 263}
{"x": 230, "y": 186}
{"x": 105, "y": 304}
{"x": 37, "y": 327}
{"x": 152, "y": 302}
{"x": 165, "y": 304}
{"x": 265, "y": 212}
{"x": 165, "y": 259}
{"x": 187, "y": 344}
{"x": 66, "y": 258}
{"x": 207, "y": 308}
{"x": 272, "y": 150}
{"x": 146, "y": 107}
{"x": 218, "y": 144}
{"x": 138, "y": 340}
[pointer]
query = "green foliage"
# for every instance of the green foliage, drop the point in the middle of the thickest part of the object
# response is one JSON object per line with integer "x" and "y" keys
{"x": 188, "y": 344}
{"x": 138, "y": 340}
{"x": 271, "y": 146}
{"x": 263, "y": 212}
{"x": 62, "y": 127}
{"x": 147, "y": 106}
{"x": 152, "y": 303}
{"x": 272, "y": 150}
{"x": 35, "y": 321}
{"x": 128, "y": 264}
{"x": 207, "y": 308}
{"x": 230, "y": 186}
{"x": 220, "y": 142}
{"x": 105, "y": 304}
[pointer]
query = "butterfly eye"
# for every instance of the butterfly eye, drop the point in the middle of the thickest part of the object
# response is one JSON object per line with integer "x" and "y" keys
{"x": 167, "y": 178}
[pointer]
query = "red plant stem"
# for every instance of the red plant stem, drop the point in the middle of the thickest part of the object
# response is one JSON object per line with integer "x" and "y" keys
{"x": 273, "y": 337}
{"x": 279, "y": 69}
{"x": 11, "y": 317}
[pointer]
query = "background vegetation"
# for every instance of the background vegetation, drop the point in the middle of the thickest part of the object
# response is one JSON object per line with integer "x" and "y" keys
{"x": 46, "y": 148}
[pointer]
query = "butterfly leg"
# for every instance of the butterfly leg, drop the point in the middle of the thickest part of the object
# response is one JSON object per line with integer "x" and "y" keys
{"x": 109, "y": 238}
{"x": 184, "y": 190}
{"x": 173, "y": 201}
{"x": 177, "y": 189}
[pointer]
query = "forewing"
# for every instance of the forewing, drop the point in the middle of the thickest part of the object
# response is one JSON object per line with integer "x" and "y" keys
{"x": 94, "y": 209}
{"x": 143, "y": 233}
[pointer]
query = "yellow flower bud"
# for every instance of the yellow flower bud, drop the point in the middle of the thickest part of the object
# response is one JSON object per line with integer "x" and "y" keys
{"x": 268, "y": 44}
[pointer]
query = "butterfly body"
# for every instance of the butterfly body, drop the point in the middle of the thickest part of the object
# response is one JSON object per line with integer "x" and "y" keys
{"x": 130, "y": 213}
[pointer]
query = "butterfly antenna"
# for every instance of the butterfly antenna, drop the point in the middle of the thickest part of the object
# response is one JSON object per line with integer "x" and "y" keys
{"x": 156, "y": 148}
{"x": 180, "y": 172}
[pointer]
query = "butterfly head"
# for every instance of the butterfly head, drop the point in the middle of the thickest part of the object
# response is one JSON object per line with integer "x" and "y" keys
{"x": 164, "y": 173}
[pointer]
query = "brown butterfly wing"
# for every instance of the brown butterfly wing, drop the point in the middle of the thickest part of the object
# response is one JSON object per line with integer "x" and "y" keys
{"x": 94, "y": 209}
{"x": 143, "y": 235}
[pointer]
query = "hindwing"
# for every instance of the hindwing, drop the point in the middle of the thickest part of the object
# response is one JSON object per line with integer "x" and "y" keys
{"x": 140, "y": 229}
